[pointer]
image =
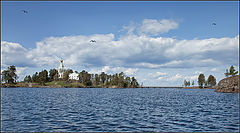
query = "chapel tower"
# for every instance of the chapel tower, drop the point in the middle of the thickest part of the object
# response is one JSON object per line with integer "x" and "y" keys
{"x": 61, "y": 69}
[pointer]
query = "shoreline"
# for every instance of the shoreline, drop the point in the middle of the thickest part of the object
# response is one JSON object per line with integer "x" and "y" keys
{"x": 36, "y": 85}
{"x": 197, "y": 87}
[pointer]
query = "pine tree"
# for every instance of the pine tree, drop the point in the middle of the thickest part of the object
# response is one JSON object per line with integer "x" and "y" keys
{"x": 9, "y": 75}
{"x": 211, "y": 81}
{"x": 52, "y": 73}
{"x": 43, "y": 77}
{"x": 231, "y": 71}
{"x": 201, "y": 80}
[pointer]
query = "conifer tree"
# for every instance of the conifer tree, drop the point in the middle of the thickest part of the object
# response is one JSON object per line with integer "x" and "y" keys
{"x": 201, "y": 80}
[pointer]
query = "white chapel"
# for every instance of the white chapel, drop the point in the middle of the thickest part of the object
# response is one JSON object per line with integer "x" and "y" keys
{"x": 61, "y": 70}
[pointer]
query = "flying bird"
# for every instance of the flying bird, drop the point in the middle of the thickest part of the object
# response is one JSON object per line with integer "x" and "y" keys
{"x": 93, "y": 41}
{"x": 25, "y": 11}
{"x": 214, "y": 24}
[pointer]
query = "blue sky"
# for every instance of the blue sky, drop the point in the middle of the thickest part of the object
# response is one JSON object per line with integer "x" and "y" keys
{"x": 129, "y": 25}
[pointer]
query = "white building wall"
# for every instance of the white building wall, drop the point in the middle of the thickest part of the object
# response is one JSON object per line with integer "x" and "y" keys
{"x": 73, "y": 76}
{"x": 60, "y": 75}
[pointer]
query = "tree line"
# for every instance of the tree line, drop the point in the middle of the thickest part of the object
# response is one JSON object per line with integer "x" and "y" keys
{"x": 97, "y": 80}
{"x": 85, "y": 78}
{"x": 188, "y": 83}
{"x": 211, "y": 81}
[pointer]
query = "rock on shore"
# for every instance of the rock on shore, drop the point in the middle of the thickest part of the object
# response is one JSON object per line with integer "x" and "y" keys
{"x": 230, "y": 84}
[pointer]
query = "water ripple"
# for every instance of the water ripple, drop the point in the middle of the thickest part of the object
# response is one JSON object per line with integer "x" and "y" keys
{"x": 118, "y": 110}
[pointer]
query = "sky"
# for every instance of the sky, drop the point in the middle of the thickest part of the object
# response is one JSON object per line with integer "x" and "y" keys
{"x": 160, "y": 43}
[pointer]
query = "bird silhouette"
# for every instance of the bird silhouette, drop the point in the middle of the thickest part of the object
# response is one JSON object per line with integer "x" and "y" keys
{"x": 25, "y": 11}
{"x": 214, "y": 24}
{"x": 93, "y": 41}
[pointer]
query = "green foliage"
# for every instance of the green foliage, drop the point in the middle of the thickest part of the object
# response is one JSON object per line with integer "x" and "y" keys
{"x": 186, "y": 83}
{"x": 43, "y": 77}
{"x": 96, "y": 80}
{"x": 35, "y": 78}
{"x": 9, "y": 75}
{"x": 121, "y": 80}
{"x": 201, "y": 80}
{"x": 66, "y": 76}
{"x": 127, "y": 82}
{"x": 211, "y": 81}
{"x": 134, "y": 83}
{"x": 103, "y": 77}
{"x": 192, "y": 83}
{"x": 231, "y": 72}
{"x": 53, "y": 74}
{"x": 5, "y": 76}
{"x": 105, "y": 80}
{"x": 227, "y": 73}
{"x": 85, "y": 79}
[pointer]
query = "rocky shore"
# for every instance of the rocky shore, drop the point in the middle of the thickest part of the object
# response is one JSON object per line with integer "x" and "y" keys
{"x": 230, "y": 85}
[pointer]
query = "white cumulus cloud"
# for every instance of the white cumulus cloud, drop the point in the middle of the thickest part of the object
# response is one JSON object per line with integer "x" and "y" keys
{"x": 14, "y": 54}
{"x": 129, "y": 51}
{"x": 155, "y": 27}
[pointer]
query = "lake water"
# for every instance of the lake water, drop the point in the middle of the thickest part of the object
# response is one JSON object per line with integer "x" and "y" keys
{"x": 118, "y": 110}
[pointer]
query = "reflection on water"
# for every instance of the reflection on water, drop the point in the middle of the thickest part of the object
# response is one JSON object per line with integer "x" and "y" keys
{"x": 117, "y": 110}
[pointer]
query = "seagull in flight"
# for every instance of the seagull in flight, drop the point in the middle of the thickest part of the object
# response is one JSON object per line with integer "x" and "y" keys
{"x": 93, "y": 41}
{"x": 25, "y": 11}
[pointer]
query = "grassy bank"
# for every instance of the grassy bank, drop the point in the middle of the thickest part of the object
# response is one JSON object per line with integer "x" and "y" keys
{"x": 55, "y": 84}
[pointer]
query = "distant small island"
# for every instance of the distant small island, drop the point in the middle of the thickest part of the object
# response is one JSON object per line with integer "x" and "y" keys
{"x": 230, "y": 84}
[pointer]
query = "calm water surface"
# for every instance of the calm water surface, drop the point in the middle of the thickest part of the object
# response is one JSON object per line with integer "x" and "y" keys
{"x": 118, "y": 110}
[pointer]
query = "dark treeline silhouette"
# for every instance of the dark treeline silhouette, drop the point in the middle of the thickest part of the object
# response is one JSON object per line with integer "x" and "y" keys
{"x": 84, "y": 78}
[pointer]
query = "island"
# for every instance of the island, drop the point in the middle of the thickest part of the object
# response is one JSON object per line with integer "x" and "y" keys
{"x": 66, "y": 78}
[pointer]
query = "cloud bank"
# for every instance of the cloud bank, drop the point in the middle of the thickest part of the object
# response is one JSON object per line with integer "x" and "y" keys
{"x": 130, "y": 51}
{"x": 14, "y": 54}
{"x": 127, "y": 53}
